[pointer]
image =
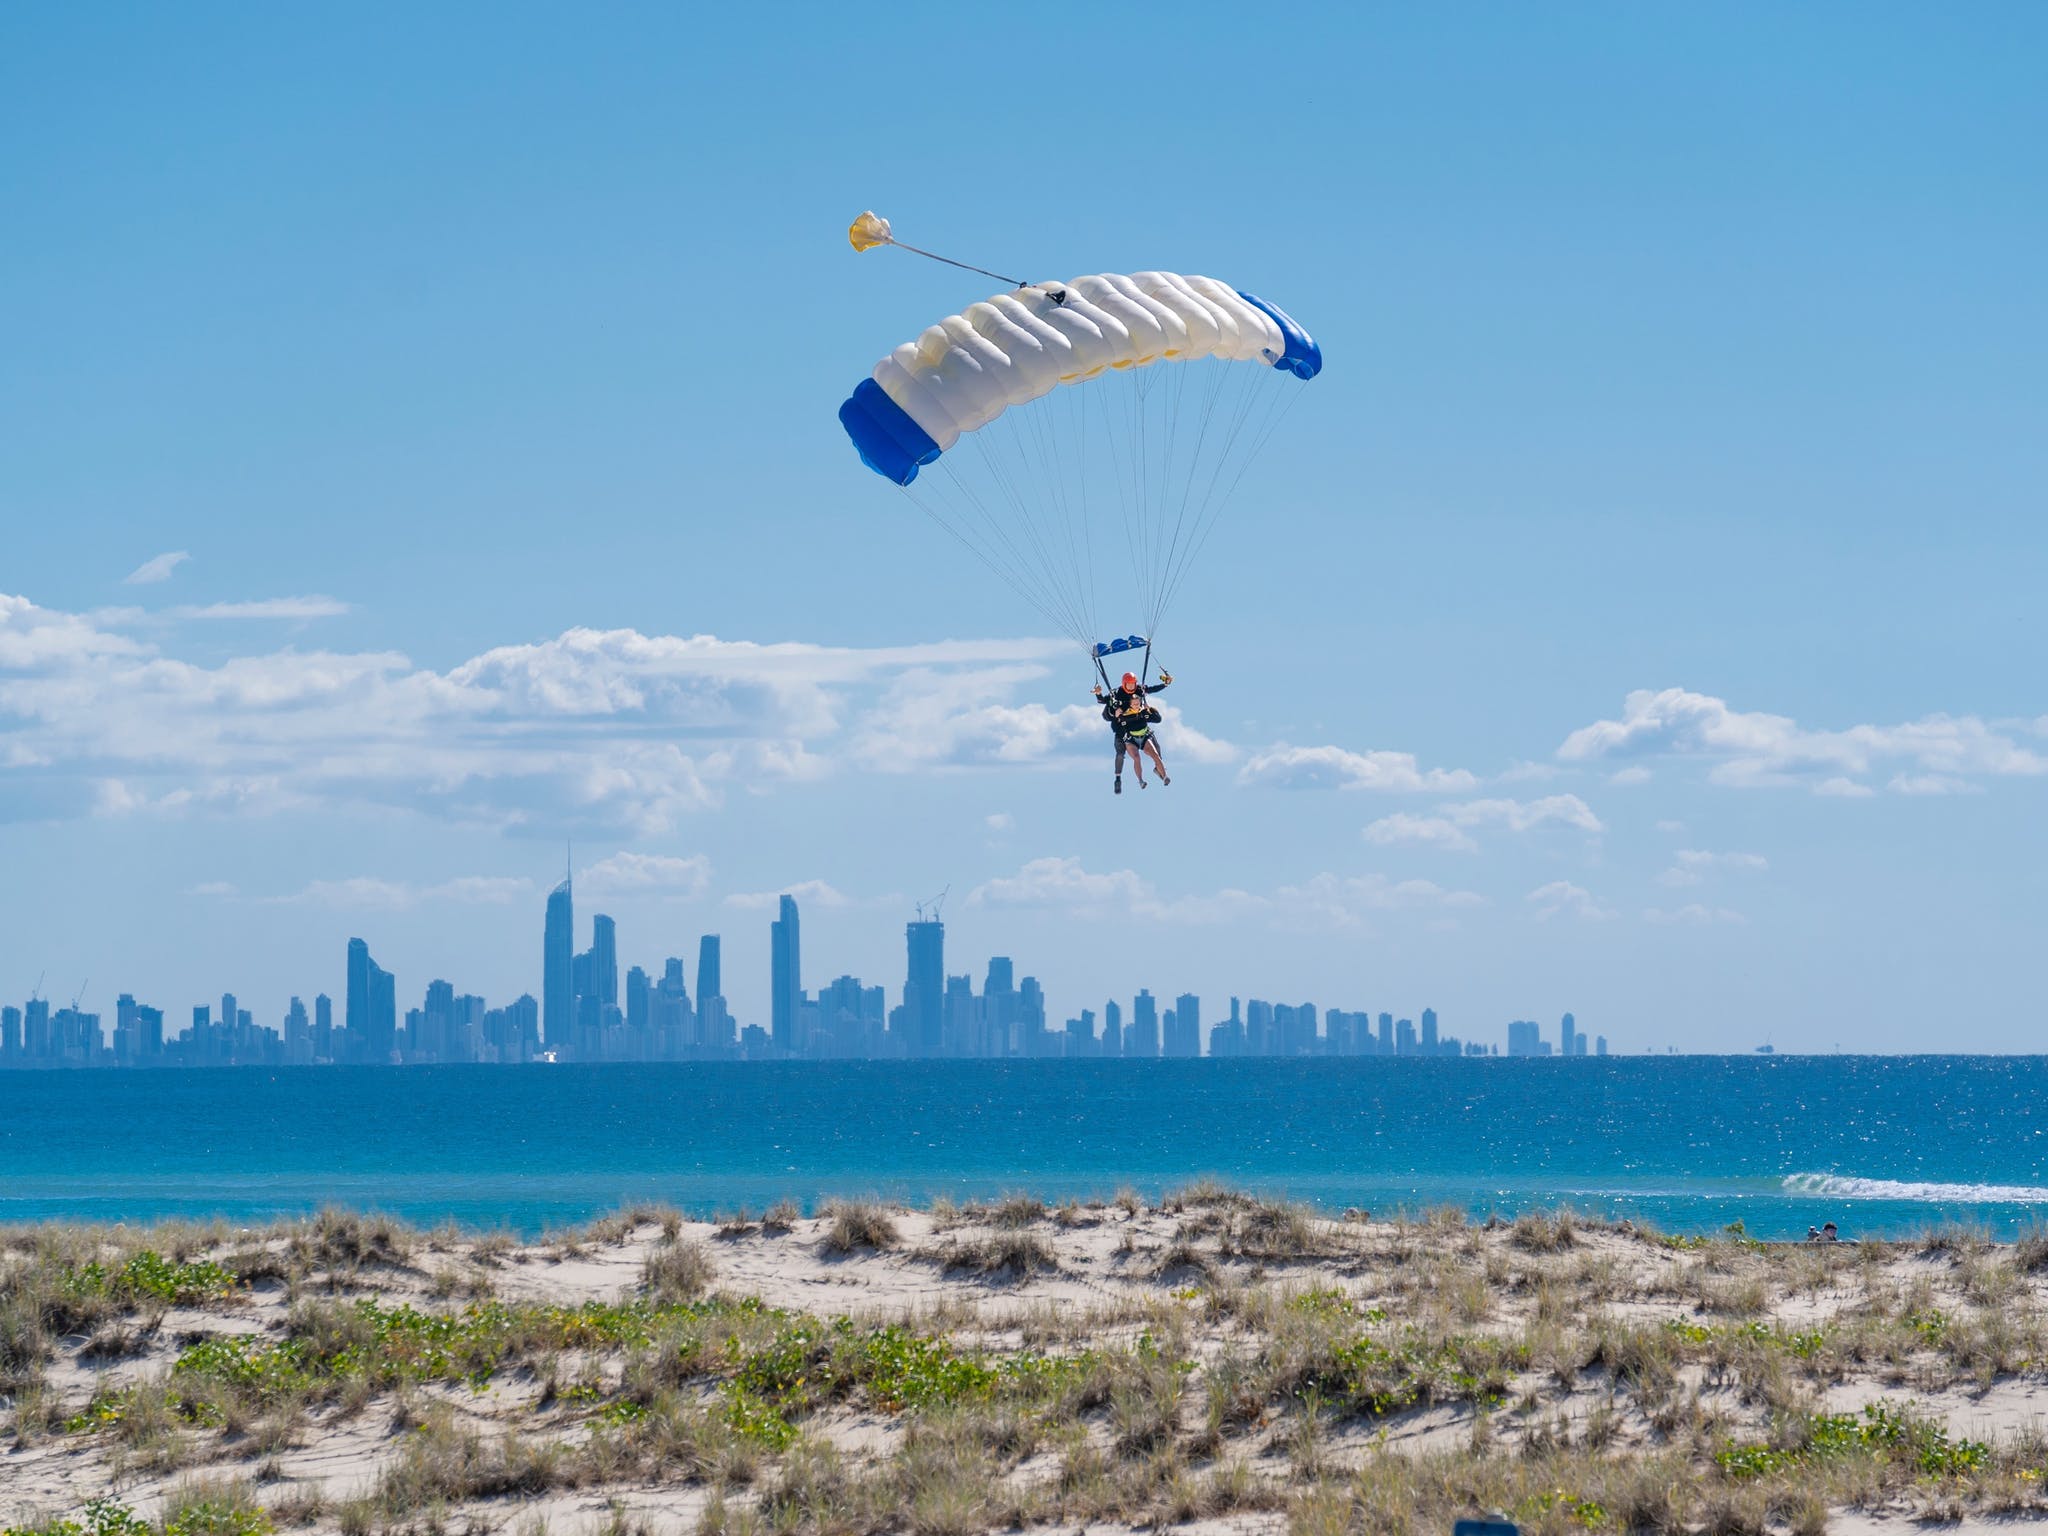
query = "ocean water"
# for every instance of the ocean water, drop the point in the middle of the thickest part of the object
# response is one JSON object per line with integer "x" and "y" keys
{"x": 1882, "y": 1145}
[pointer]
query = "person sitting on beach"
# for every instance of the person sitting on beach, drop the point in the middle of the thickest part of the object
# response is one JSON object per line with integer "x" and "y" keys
{"x": 1828, "y": 1234}
{"x": 1813, "y": 1234}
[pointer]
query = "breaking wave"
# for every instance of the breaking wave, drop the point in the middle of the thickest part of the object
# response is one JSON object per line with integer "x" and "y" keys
{"x": 1843, "y": 1187}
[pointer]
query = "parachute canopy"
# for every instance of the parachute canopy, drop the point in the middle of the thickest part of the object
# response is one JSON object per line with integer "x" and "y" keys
{"x": 1051, "y": 475}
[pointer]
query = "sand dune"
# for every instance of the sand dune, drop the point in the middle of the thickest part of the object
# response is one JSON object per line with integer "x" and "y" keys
{"x": 1213, "y": 1362}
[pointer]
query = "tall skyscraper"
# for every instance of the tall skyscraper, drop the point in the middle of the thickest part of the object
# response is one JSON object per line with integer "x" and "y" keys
{"x": 1184, "y": 1031}
{"x": 1429, "y": 1031}
{"x": 999, "y": 1009}
{"x": 708, "y": 983}
{"x": 558, "y": 968}
{"x": 1142, "y": 1038}
{"x": 786, "y": 984}
{"x": 924, "y": 985}
{"x": 604, "y": 960}
{"x": 1567, "y": 1036}
{"x": 372, "y": 1006}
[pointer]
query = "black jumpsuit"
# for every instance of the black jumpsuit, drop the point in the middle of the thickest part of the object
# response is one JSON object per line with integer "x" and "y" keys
{"x": 1130, "y": 719}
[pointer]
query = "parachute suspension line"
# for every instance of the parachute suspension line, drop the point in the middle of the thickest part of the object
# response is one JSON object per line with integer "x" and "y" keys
{"x": 1172, "y": 394}
{"x": 990, "y": 542}
{"x": 1247, "y": 393}
{"x": 1210, "y": 393}
{"x": 1027, "y": 551}
{"x": 1033, "y": 521}
{"x": 1278, "y": 408}
{"x": 1014, "y": 282}
{"x": 1045, "y": 438}
{"x": 1125, "y": 482}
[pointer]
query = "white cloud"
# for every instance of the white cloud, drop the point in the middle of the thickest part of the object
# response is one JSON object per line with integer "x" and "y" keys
{"x": 1752, "y": 750}
{"x": 1932, "y": 784}
{"x": 966, "y": 717}
{"x": 1693, "y": 865}
{"x": 1560, "y": 898}
{"x": 1329, "y": 900}
{"x": 367, "y": 891}
{"x": 156, "y": 569}
{"x": 591, "y": 731}
{"x": 266, "y": 608}
{"x": 648, "y": 873}
{"x": 1635, "y": 773}
{"x": 1844, "y": 789}
{"x": 1694, "y": 915}
{"x": 1430, "y": 831}
{"x": 1000, "y": 821}
{"x": 212, "y": 888}
{"x": 808, "y": 893}
{"x": 1670, "y": 826}
{"x": 1282, "y": 766}
{"x": 1446, "y": 827}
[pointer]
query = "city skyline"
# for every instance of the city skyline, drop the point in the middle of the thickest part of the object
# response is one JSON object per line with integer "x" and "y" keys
{"x": 941, "y": 1015}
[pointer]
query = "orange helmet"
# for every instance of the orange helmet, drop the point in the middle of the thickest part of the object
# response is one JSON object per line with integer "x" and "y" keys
{"x": 1130, "y": 682}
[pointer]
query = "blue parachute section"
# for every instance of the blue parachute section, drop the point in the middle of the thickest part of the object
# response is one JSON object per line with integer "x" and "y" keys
{"x": 1303, "y": 358}
{"x": 888, "y": 441}
{"x": 1118, "y": 647}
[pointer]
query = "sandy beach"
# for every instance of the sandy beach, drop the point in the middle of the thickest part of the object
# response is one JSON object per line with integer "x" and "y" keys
{"x": 1207, "y": 1362}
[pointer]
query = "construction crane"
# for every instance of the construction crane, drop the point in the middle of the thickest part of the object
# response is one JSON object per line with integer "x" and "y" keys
{"x": 933, "y": 904}
{"x": 79, "y": 996}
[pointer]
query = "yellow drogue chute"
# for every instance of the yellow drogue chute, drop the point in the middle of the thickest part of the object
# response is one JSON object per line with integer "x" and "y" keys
{"x": 871, "y": 230}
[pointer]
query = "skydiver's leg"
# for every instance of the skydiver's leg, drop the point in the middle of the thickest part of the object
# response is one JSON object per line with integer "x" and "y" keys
{"x": 1138, "y": 762}
{"x": 1116, "y": 747}
{"x": 1152, "y": 746}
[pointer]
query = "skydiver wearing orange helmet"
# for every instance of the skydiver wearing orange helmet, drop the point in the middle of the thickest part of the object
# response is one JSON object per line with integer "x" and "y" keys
{"x": 1131, "y": 720}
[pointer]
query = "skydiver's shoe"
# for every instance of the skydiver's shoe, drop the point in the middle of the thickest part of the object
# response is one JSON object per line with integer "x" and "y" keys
{"x": 1164, "y": 779}
{"x": 1144, "y": 783}
{"x": 1119, "y": 783}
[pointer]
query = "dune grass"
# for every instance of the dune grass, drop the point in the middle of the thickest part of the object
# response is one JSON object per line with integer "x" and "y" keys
{"x": 1212, "y": 1353}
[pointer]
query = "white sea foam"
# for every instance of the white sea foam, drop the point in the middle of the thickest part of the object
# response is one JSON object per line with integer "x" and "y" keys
{"x": 1931, "y": 1192}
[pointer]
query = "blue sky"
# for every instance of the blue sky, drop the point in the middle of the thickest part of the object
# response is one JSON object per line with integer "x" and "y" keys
{"x": 1638, "y": 616}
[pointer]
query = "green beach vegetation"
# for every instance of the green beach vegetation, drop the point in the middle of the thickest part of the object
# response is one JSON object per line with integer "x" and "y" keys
{"x": 1008, "y": 1365}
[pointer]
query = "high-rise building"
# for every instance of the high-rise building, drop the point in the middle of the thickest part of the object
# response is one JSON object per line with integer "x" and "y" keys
{"x": 1525, "y": 1038}
{"x": 709, "y": 983}
{"x": 1567, "y": 1033}
{"x": 1184, "y": 1026}
{"x": 558, "y": 968}
{"x": 1030, "y": 1037}
{"x": 372, "y": 1007}
{"x": 1429, "y": 1031}
{"x": 1227, "y": 1038}
{"x": 1599, "y": 1045}
{"x": 1142, "y": 1038}
{"x": 786, "y": 985}
{"x": 1386, "y": 1034}
{"x": 10, "y": 1033}
{"x": 924, "y": 985}
{"x": 1112, "y": 1029}
{"x": 1002, "y": 1036}
{"x": 604, "y": 960}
